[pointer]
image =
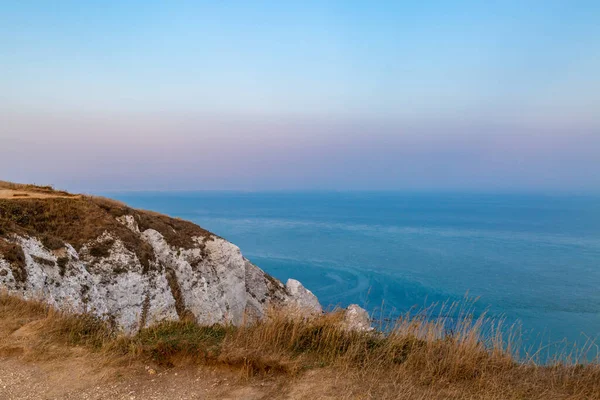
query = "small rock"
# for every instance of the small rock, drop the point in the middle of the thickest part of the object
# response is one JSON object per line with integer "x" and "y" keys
{"x": 357, "y": 318}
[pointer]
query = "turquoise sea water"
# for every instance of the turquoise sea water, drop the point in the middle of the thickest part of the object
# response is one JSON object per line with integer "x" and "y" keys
{"x": 531, "y": 258}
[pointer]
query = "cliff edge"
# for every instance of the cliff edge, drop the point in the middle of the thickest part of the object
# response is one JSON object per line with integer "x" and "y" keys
{"x": 131, "y": 267}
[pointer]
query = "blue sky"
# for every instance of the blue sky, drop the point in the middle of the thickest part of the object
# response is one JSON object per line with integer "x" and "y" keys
{"x": 301, "y": 95}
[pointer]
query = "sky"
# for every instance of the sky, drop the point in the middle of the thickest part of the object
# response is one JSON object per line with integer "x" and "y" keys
{"x": 311, "y": 95}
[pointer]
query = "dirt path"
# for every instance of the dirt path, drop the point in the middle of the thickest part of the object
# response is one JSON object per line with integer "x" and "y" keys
{"x": 25, "y": 194}
{"x": 76, "y": 379}
{"x": 79, "y": 378}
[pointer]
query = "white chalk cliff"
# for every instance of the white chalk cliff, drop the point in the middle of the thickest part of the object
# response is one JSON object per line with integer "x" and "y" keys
{"x": 209, "y": 281}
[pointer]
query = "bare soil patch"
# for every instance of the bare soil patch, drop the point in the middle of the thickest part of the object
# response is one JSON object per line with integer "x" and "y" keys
{"x": 19, "y": 194}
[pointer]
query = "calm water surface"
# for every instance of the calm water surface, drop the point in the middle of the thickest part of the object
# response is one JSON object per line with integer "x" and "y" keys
{"x": 531, "y": 258}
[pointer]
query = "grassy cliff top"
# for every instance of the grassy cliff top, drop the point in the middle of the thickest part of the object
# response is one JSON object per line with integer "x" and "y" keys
{"x": 19, "y": 190}
{"x": 57, "y": 217}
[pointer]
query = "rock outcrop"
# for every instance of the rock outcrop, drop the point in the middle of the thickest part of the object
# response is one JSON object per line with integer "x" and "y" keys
{"x": 357, "y": 318}
{"x": 302, "y": 298}
{"x": 134, "y": 268}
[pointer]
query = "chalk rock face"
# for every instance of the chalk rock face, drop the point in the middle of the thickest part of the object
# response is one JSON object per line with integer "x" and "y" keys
{"x": 357, "y": 318}
{"x": 209, "y": 281}
{"x": 302, "y": 298}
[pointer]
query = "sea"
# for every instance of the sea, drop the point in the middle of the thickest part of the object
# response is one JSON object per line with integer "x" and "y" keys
{"x": 532, "y": 260}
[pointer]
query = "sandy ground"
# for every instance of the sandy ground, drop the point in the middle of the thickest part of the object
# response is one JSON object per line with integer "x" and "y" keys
{"x": 76, "y": 379}
{"x": 84, "y": 378}
{"x": 24, "y": 194}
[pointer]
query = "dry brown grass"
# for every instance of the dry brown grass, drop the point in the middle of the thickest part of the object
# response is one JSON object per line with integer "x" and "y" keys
{"x": 13, "y": 254}
{"x": 76, "y": 221}
{"x": 26, "y": 190}
{"x": 25, "y": 187}
{"x": 177, "y": 232}
{"x": 81, "y": 220}
{"x": 416, "y": 359}
{"x": 57, "y": 216}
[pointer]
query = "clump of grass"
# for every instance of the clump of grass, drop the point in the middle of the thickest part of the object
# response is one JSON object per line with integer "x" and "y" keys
{"x": 109, "y": 204}
{"x": 12, "y": 307}
{"x": 52, "y": 242}
{"x": 62, "y": 265}
{"x": 53, "y": 327}
{"x": 43, "y": 261}
{"x": 13, "y": 254}
{"x": 171, "y": 340}
{"x": 413, "y": 344}
{"x": 77, "y": 330}
{"x": 101, "y": 249}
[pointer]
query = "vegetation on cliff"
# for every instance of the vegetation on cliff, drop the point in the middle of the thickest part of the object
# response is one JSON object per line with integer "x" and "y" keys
{"x": 58, "y": 217}
{"x": 417, "y": 357}
{"x": 131, "y": 267}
